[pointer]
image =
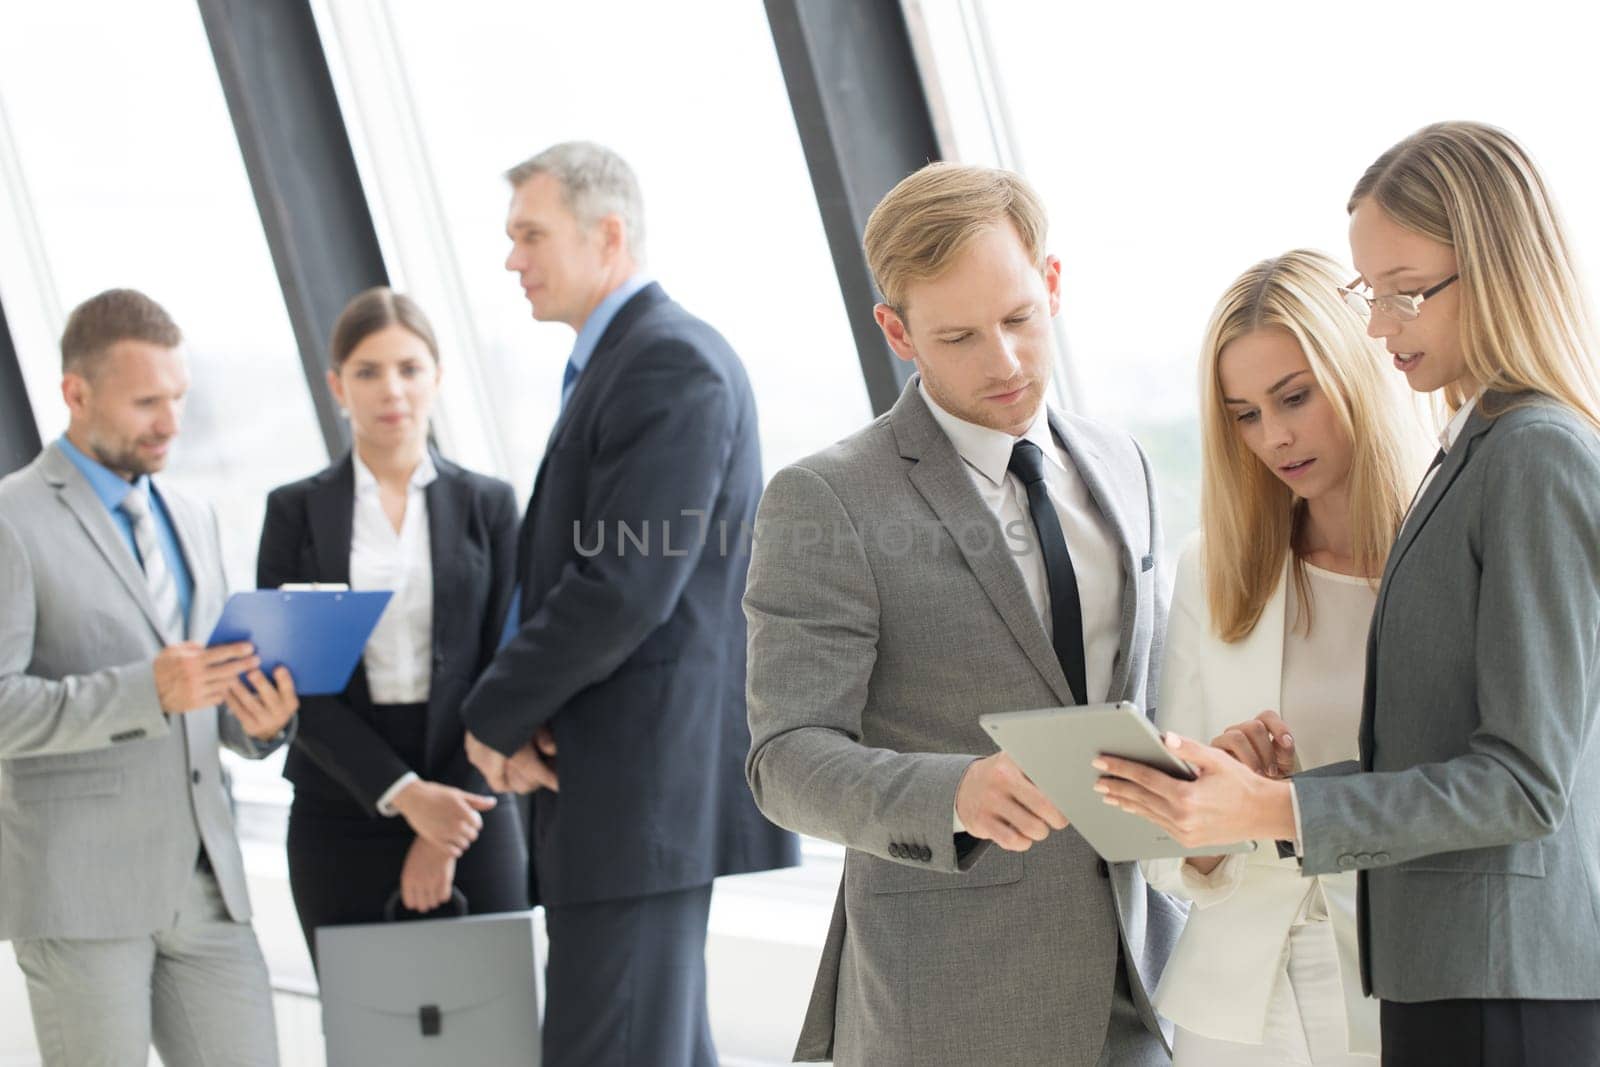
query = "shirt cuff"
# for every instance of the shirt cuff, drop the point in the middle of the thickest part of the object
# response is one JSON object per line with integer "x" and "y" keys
{"x": 386, "y": 802}
{"x": 1215, "y": 887}
{"x": 269, "y": 745}
{"x": 1299, "y": 834}
{"x": 955, "y": 821}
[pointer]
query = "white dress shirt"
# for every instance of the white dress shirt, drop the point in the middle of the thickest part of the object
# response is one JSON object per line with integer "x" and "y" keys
{"x": 1096, "y": 558}
{"x": 1447, "y": 440}
{"x": 399, "y": 656}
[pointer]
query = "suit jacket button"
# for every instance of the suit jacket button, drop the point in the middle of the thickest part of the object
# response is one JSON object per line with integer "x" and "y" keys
{"x": 1347, "y": 862}
{"x": 194, "y": 776}
{"x": 924, "y": 853}
{"x": 896, "y": 851}
{"x": 1380, "y": 857}
{"x": 1363, "y": 858}
{"x": 1103, "y": 869}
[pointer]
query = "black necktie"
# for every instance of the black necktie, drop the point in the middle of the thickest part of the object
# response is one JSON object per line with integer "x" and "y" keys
{"x": 1066, "y": 613}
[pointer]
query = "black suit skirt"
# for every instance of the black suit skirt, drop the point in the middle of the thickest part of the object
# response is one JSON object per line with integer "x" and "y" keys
{"x": 344, "y": 864}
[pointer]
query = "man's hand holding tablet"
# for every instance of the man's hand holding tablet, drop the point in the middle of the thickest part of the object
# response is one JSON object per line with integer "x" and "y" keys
{"x": 998, "y": 802}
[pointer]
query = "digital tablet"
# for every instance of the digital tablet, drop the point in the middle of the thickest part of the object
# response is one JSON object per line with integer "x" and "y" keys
{"x": 1054, "y": 746}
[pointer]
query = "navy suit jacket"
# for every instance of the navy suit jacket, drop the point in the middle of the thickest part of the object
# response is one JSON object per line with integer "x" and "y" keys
{"x": 631, "y": 644}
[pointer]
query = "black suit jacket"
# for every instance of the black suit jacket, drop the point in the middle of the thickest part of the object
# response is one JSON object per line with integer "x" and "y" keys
{"x": 632, "y": 638}
{"x": 341, "y": 749}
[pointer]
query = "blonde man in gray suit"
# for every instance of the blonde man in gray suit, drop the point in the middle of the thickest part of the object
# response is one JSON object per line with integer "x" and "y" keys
{"x": 969, "y": 551}
{"x": 121, "y": 883}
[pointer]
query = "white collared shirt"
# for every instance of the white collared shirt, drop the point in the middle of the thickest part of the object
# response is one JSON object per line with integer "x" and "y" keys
{"x": 1447, "y": 441}
{"x": 1096, "y": 558}
{"x": 399, "y": 656}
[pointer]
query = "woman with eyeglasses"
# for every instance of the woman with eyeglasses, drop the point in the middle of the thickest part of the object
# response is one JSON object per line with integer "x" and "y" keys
{"x": 1303, "y": 485}
{"x": 1473, "y": 814}
{"x": 389, "y": 816}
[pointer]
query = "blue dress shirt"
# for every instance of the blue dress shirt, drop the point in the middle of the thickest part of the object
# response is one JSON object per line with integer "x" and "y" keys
{"x": 112, "y": 488}
{"x": 594, "y": 327}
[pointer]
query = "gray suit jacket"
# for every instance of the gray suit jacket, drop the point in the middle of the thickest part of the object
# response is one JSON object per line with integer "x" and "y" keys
{"x": 885, "y": 615}
{"x": 104, "y": 799}
{"x": 1477, "y": 829}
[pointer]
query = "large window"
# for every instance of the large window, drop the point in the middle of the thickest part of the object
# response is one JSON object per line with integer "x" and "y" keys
{"x": 1177, "y": 145}
{"x": 442, "y": 100}
{"x": 121, "y": 170}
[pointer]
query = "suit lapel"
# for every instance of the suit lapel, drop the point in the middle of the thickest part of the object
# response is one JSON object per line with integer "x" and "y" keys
{"x": 1455, "y": 461}
{"x": 1090, "y": 469}
{"x": 589, "y": 384}
{"x": 79, "y": 498}
{"x": 1258, "y": 670}
{"x": 448, "y": 508}
{"x": 199, "y": 731}
{"x": 330, "y": 512}
{"x": 941, "y": 477}
{"x": 589, "y": 390}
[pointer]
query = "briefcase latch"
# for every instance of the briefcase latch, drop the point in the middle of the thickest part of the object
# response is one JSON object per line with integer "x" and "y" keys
{"x": 428, "y": 1016}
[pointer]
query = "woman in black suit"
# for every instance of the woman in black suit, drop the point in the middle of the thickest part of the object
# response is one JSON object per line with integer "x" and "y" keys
{"x": 385, "y": 797}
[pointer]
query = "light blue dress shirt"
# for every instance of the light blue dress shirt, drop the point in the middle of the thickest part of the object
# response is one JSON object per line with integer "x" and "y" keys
{"x": 112, "y": 488}
{"x": 594, "y": 327}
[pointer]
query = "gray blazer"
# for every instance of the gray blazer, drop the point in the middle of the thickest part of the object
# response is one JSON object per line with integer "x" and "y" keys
{"x": 1477, "y": 831}
{"x": 885, "y": 615}
{"x": 104, "y": 800}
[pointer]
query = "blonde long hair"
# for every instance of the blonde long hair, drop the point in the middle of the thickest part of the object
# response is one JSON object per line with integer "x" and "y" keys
{"x": 1525, "y": 320}
{"x": 1249, "y": 516}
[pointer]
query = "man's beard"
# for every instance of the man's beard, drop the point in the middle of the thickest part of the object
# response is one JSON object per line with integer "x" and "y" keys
{"x": 124, "y": 459}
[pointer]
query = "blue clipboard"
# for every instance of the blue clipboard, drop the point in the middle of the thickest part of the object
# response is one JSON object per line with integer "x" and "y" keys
{"x": 318, "y": 634}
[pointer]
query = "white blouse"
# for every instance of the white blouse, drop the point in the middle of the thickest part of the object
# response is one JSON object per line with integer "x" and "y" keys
{"x": 399, "y": 656}
{"x": 1323, "y": 673}
{"x": 1233, "y": 974}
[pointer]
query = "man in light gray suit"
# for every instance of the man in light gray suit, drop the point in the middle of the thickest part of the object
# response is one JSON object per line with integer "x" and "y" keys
{"x": 121, "y": 883}
{"x": 970, "y": 551}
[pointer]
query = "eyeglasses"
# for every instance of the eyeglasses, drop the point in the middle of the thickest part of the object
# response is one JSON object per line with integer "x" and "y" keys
{"x": 1402, "y": 307}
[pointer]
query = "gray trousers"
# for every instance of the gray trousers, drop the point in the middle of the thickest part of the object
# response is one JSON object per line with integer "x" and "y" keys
{"x": 198, "y": 989}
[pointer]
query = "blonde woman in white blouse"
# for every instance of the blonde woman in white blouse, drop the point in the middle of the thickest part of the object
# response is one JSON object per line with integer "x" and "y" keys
{"x": 1303, "y": 490}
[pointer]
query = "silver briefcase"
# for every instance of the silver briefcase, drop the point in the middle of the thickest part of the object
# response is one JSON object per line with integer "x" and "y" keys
{"x": 459, "y": 991}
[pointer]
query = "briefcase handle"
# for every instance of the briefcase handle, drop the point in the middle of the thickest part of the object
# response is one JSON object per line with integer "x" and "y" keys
{"x": 392, "y": 908}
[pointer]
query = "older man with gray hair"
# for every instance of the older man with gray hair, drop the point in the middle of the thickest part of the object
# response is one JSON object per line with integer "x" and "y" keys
{"x": 628, "y": 659}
